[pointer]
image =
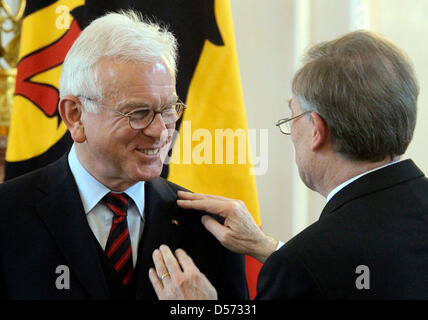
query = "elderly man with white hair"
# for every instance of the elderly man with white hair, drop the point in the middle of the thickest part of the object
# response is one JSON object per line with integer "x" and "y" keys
{"x": 85, "y": 226}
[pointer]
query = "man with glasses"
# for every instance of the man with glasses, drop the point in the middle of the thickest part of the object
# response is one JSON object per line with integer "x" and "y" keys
{"x": 353, "y": 114}
{"x": 86, "y": 226}
{"x": 285, "y": 124}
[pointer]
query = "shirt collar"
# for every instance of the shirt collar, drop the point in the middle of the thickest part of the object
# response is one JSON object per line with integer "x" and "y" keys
{"x": 92, "y": 191}
{"x": 343, "y": 185}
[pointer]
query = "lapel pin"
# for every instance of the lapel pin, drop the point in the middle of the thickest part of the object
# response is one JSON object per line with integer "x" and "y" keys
{"x": 173, "y": 221}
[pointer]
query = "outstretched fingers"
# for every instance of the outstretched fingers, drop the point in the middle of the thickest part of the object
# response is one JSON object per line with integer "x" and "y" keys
{"x": 184, "y": 195}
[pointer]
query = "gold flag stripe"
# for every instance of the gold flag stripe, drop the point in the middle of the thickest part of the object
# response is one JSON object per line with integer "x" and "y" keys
{"x": 215, "y": 101}
{"x": 47, "y": 25}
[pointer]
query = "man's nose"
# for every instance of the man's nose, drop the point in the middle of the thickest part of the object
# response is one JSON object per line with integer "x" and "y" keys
{"x": 157, "y": 128}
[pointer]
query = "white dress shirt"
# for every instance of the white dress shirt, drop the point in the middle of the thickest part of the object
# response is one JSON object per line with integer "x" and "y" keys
{"x": 343, "y": 185}
{"x": 100, "y": 217}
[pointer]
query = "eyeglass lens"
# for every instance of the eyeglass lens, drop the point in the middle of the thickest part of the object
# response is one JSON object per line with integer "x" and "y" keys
{"x": 142, "y": 118}
{"x": 285, "y": 127}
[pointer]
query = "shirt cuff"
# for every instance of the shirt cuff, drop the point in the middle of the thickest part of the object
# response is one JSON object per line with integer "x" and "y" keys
{"x": 280, "y": 244}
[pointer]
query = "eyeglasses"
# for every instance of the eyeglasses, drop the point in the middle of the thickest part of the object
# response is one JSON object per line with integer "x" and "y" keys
{"x": 285, "y": 124}
{"x": 142, "y": 118}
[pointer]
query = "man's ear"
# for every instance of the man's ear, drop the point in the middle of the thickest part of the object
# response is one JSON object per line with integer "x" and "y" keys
{"x": 320, "y": 131}
{"x": 71, "y": 110}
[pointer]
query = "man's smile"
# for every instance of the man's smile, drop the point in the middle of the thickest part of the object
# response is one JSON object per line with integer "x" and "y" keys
{"x": 149, "y": 152}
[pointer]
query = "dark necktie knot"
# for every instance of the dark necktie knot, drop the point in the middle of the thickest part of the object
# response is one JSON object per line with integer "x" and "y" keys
{"x": 118, "y": 203}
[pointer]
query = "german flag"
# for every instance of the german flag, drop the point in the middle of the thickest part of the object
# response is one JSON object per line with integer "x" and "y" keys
{"x": 207, "y": 80}
{"x": 37, "y": 136}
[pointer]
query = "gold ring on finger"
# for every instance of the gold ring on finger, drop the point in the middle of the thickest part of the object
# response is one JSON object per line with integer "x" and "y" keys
{"x": 166, "y": 274}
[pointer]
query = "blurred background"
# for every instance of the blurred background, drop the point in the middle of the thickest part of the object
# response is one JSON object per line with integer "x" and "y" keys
{"x": 271, "y": 36}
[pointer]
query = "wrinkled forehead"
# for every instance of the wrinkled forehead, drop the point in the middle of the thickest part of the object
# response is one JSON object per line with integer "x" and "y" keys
{"x": 151, "y": 81}
{"x": 145, "y": 101}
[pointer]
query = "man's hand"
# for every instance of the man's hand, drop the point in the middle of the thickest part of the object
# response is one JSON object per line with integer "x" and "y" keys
{"x": 240, "y": 233}
{"x": 178, "y": 278}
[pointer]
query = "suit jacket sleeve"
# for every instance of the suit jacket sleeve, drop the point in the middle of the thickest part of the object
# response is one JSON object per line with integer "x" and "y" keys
{"x": 284, "y": 277}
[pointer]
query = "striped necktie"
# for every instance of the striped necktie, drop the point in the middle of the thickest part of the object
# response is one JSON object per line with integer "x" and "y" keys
{"x": 118, "y": 247}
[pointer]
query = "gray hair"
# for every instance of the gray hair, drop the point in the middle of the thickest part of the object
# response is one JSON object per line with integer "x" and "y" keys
{"x": 366, "y": 90}
{"x": 125, "y": 36}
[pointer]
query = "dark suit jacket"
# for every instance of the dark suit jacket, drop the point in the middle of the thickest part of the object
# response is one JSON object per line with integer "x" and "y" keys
{"x": 43, "y": 226}
{"x": 379, "y": 221}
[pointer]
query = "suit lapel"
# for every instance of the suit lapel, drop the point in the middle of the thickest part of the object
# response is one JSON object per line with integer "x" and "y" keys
{"x": 372, "y": 182}
{"x": 61, "y": 210}
{"x": 162, "y": 226}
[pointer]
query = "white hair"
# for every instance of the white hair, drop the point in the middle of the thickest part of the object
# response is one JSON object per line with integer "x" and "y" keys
{"x": 124, "y": 36}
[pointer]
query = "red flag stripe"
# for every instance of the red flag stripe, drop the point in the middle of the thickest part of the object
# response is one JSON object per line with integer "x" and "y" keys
{"x": 253, "y": 267}
{"x": 44, "y": 96}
